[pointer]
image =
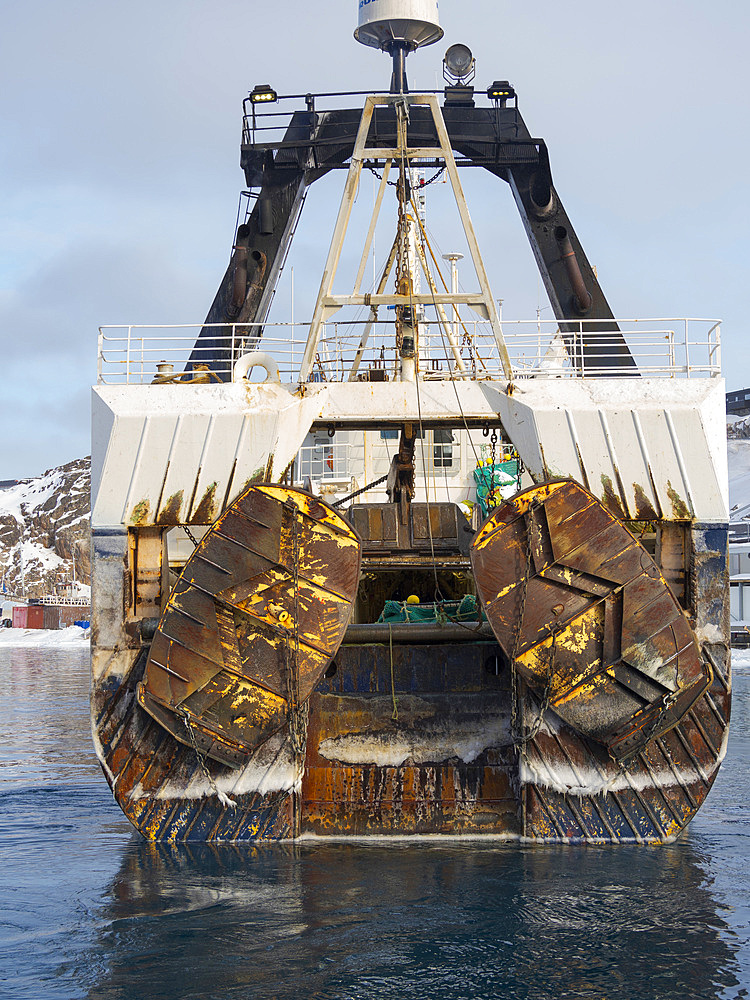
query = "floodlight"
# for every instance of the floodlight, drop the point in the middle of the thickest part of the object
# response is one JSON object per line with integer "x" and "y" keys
{"x": 458, "y": 63}
{"x": 263, "y": 94}
{"x": 501, "y": 90}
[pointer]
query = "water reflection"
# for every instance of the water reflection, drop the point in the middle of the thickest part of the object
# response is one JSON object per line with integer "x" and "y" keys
{"x": 45, "y": 732}
{"x": 449, "y": 920}
{"x": 91, "y": 911}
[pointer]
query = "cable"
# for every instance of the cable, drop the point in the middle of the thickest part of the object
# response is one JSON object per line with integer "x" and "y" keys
{"x": 370, "y": 486}
{"x": 472, "y": 347}
{"x": 402, "y": 197}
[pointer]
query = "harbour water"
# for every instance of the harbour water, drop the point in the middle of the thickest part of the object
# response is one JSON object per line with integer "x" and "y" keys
{"x": 90, "y": 911}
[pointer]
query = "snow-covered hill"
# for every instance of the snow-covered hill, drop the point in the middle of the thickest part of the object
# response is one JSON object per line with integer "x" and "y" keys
{"x": 738, "y": 453}
{"x": 44, "y": 532}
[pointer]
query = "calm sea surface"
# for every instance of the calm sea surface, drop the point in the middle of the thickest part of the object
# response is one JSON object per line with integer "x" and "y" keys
{"x": 89, "y": 910}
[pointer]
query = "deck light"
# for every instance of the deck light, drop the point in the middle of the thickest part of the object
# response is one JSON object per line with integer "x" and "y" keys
{"x": 501, "y": 90}
{"x": 263, "y": 94}
{"x": 459, "y": 69}
{"x": 459, "y": 64}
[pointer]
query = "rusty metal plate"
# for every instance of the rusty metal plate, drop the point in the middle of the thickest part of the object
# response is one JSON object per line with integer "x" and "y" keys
{"x": 253, "y": 622}
{"x": 593, "y": 624}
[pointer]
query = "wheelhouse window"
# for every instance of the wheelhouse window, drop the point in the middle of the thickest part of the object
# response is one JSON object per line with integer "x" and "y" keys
{"x": 442, "y": 448}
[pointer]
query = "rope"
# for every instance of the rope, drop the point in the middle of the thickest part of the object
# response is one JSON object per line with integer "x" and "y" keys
{"x": 452, "y": 381}
{"x": 468, "y": 341}
{"x": 394, "y": 715}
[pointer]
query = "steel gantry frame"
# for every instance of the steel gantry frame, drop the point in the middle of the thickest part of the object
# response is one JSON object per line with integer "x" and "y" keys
{"x": 494, "y": 138}
{"x": 329, "y": 303}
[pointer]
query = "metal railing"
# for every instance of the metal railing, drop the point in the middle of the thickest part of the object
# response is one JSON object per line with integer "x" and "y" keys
{"x": 66, "y": 602}
{"x": 350, "y": 351}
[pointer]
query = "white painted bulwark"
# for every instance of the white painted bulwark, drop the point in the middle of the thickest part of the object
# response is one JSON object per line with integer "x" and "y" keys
{"x": 179, "y": 453}
{"x": 656, "y": 445}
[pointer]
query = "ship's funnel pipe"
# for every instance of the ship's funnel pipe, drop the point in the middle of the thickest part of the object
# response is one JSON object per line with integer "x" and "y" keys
{"x": 540, "y": 188}
{"x": 582, "y": 297}
{"x": 240, "y": 289}
{"x": 259, "y": 260}
{"x": 265, "y": 216}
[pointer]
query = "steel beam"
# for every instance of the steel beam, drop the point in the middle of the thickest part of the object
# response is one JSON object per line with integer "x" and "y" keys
{"x": 496, "y": 139}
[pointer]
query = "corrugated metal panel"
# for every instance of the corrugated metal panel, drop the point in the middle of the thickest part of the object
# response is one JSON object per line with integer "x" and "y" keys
{"x": 649, "y": 448}
{"x": 35, "y": 616}
{"x": 173, "y": 454}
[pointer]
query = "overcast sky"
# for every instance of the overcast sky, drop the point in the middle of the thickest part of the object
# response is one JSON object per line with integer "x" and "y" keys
{"x": 119, "y": 166}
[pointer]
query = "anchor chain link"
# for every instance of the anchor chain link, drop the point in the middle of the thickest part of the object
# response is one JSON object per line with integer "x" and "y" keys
{"x": 223, "y": 798}
{"x": 403, "y": 193}
{"x": 515, "y": 725}
{"x": 422, "y": 184}
{"x": 491, "y": 498}
{"x": 191, "y": 536}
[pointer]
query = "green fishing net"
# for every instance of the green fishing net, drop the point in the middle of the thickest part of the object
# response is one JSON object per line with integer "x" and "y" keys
{"x": 465, "y": 610}
{"x": 495, "y": 482}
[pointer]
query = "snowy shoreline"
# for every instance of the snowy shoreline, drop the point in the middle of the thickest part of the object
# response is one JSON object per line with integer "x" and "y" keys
{"x": 72, "y": 636}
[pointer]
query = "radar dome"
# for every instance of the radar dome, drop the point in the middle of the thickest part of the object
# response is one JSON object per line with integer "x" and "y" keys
{"x": 407, "y": 23}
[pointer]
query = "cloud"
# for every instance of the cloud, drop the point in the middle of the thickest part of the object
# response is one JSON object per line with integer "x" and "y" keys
{"x": 56, "y": 310}
{"x": 120, "y": 175}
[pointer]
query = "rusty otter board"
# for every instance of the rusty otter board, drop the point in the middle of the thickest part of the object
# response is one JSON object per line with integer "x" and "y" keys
{"x": 253, "y": 622}
{"x": 586, "y": 617}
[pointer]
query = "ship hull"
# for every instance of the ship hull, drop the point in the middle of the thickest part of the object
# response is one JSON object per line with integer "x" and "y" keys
{"x": 410, "y": 740}
{"x": 404, "y": 737}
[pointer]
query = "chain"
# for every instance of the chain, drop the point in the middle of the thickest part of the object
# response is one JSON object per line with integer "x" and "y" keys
{"x": 295, "y": 564}
{"x": 224, "y": 799}
{"x": 370, "y": 486}
{"x": 491, "y": 498}
{"x": 403, "y": 191}
{"x": 667, "y": 701}
{"x": 298, "y": 714}
{"x": 191, "y": 536}
{"x": 403, "y": 281}
{"x": 545, "y": 697}
{"x": 515, "y": 728}
{"x": 422, "y": 184}
{"x": 520, "y": 741}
